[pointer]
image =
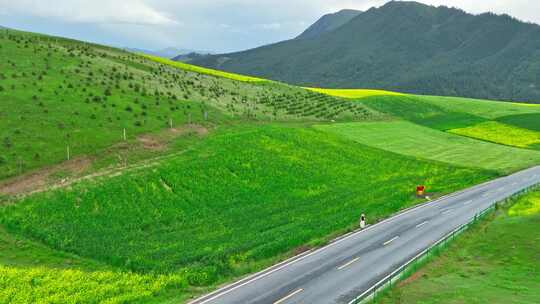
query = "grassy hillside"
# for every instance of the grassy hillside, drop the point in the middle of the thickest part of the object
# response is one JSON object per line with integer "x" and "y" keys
{"x": 408, "y": 47}
{"x": 484, "y": 108}
{"x": 445, "y": 113}
{"x": 422, "y": 142}
{"x": 495, "y": 262}
{"x": 302, "y": 185}
{"x": 56, "y": 93}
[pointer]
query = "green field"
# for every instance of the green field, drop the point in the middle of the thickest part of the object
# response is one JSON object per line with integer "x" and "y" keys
{"x": 527, "y": 121}
{"x": 483, "y": 108}
{"x": 500, "y": 133}
{"x": 495, "y": 262}
{"x": 410, "y": 139}
{"x": 301, "y": 185}
{"x": 33, "y": 273}
{"x": 420, "y": 111}
{"x": 445, "y": 113}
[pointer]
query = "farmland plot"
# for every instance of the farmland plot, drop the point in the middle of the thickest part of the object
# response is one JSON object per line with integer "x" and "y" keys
{"x": 195, "y": 215}
{"x": 417, "y": 141}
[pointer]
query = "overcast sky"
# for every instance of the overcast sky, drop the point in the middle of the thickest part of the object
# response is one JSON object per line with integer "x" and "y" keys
{"x": 214, "y": 25}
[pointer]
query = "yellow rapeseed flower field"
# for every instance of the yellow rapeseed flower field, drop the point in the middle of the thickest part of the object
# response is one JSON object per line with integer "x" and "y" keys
{"x": 198, "y": 69}
{"x": 56, "y": 285}
{"x": 354, "y": 93}
{"x": 501, "y": 133}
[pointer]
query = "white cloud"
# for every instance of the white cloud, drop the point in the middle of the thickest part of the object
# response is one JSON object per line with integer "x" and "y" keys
{"x": 268, "y": 26}
{"x": 218, "y": 25}
{"x": 527, "y": 10}
{"x": 90, "y": 11}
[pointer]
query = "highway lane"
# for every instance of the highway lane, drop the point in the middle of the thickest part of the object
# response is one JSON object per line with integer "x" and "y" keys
{"x": 348, "y": 267}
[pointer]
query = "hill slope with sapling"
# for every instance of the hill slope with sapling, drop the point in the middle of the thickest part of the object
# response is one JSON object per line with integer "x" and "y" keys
{"x": 80, "y": 96}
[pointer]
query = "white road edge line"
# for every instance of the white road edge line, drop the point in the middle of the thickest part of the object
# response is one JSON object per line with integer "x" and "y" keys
{"x": 421, "y": 224}
{"x": 289, "y": 296}
{"x": 348, "y": 264}
{"x": 263, "y": 273}
{"x": 355, "y": 300}
{"x": 390, "y": 241}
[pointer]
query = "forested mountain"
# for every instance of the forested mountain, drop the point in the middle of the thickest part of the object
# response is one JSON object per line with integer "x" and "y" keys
{"x": 408, "y": 47}
{"x": 329, "y": 22}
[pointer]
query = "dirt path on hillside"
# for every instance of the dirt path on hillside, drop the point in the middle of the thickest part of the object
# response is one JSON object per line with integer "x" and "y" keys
{"x": 43, "y": 179}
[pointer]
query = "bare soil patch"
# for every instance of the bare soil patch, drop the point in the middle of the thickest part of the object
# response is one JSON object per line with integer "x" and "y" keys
{"x": 414, "y": 277}
{"x": 159, "y": 141}
{"x": 46, "y": 178}
{"x": 41, "y": 177}
{"x": 150, "y": 143}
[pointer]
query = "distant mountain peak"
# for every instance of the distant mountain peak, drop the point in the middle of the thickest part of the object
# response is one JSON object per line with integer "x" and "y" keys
{"x": 329, "y": 22}
{"x": 347, "y": 11}
{"x": 400, "y": 3}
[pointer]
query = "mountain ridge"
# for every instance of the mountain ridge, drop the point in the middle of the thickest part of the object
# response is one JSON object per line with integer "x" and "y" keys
{"x": 328, "y": 23}
{"x": 408, "y": 47}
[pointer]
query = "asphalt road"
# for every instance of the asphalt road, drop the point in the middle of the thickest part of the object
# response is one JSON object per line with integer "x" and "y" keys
{"x": 346, "y": 268}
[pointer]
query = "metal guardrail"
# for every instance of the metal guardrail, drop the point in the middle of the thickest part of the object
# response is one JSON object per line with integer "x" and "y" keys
{"x": 410, "y": 266}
